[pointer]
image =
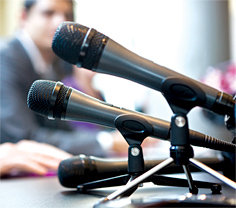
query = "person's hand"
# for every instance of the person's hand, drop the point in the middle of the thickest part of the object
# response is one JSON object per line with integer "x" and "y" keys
{"x": 149, "y": 142}
{"x": 30, "y": 156}
{"x": 84, "y": 75}
{"x": 84, "y": 78}
{"x": 120, "y": 145}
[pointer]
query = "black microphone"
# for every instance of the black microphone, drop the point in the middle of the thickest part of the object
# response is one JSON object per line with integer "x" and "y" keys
{"x": 92, "y": 50}
{"x": 55, "y": 100}
{"x": 82, "y": 169}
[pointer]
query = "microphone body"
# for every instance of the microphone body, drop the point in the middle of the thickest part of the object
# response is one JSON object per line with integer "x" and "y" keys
{"x": 82, "y": 169}
{"x": 54, "y": 100}
{"x": 92, "y": 50}
{"x": 88, "y": 109}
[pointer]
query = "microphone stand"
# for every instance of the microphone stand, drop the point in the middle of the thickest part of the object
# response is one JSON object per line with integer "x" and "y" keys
{"x": 135, "y": 131}
{"x": 134, "y": 138}
{"x": 181, "y": 152}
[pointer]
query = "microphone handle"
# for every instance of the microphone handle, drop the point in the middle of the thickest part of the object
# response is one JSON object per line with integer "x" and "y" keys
{"x": 81, "y": 107}
{"x": 118, "y": 61}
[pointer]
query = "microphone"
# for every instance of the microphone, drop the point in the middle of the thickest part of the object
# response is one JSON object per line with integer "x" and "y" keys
{"x": 55, "y": 100}
{"x": 90, "y": 49}
{"x": 82, "y": 169}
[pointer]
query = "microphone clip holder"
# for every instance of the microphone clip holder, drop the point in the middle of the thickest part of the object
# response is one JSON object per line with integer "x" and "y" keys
{"x": 230, "y": 120}
{"x": 134, "y": 130}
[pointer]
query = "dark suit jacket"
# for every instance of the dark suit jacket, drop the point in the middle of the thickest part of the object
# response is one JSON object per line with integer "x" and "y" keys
{"x": 18, "y": 122}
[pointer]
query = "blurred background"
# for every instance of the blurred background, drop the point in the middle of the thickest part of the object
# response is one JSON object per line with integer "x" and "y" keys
{"x": 188, "y": 36}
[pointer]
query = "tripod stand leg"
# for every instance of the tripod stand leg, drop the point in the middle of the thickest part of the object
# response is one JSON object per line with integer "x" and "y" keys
{"x": 169, "y": 181}
{"x": 137, "y": 181}
{"x": 213, "y": 173}
{"x": 192, "y": 188}
{"x": 108, "y": 182}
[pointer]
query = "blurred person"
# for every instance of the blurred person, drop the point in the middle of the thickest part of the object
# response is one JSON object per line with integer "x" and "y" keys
{"x": 28, "y": 57}
{"x": 29, "y": 157}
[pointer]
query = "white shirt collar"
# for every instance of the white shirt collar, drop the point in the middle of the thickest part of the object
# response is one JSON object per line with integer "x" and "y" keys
{"x": 35, "y": 56}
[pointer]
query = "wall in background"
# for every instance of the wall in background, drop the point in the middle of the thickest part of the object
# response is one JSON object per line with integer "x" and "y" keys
{"x": 9, "y": 16}
{"x": 185, "y": 35}
{"x": 153, "y": 15}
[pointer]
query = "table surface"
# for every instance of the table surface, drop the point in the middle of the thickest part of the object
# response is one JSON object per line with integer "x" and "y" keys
{"x": 47, "y": 192}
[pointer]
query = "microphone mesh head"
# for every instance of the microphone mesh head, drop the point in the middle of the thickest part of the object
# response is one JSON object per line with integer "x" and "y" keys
{"x": 78, "y": 44}
{"x": 39, "y": 96}
{"x": 68, "y": 40}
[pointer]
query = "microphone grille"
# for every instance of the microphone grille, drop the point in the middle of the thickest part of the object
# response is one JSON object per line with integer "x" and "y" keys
{"x": 94, "y": 51}
{"x": 68, "y": 40}
{"x": 39, "y": 95}
{"x": 60, "y": 106}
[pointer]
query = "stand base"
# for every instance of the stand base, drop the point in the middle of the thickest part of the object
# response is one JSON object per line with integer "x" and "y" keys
{"x": 185, "y": 200}
{"x": 146, "y": 176}
{"x": 155, "y": 179}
